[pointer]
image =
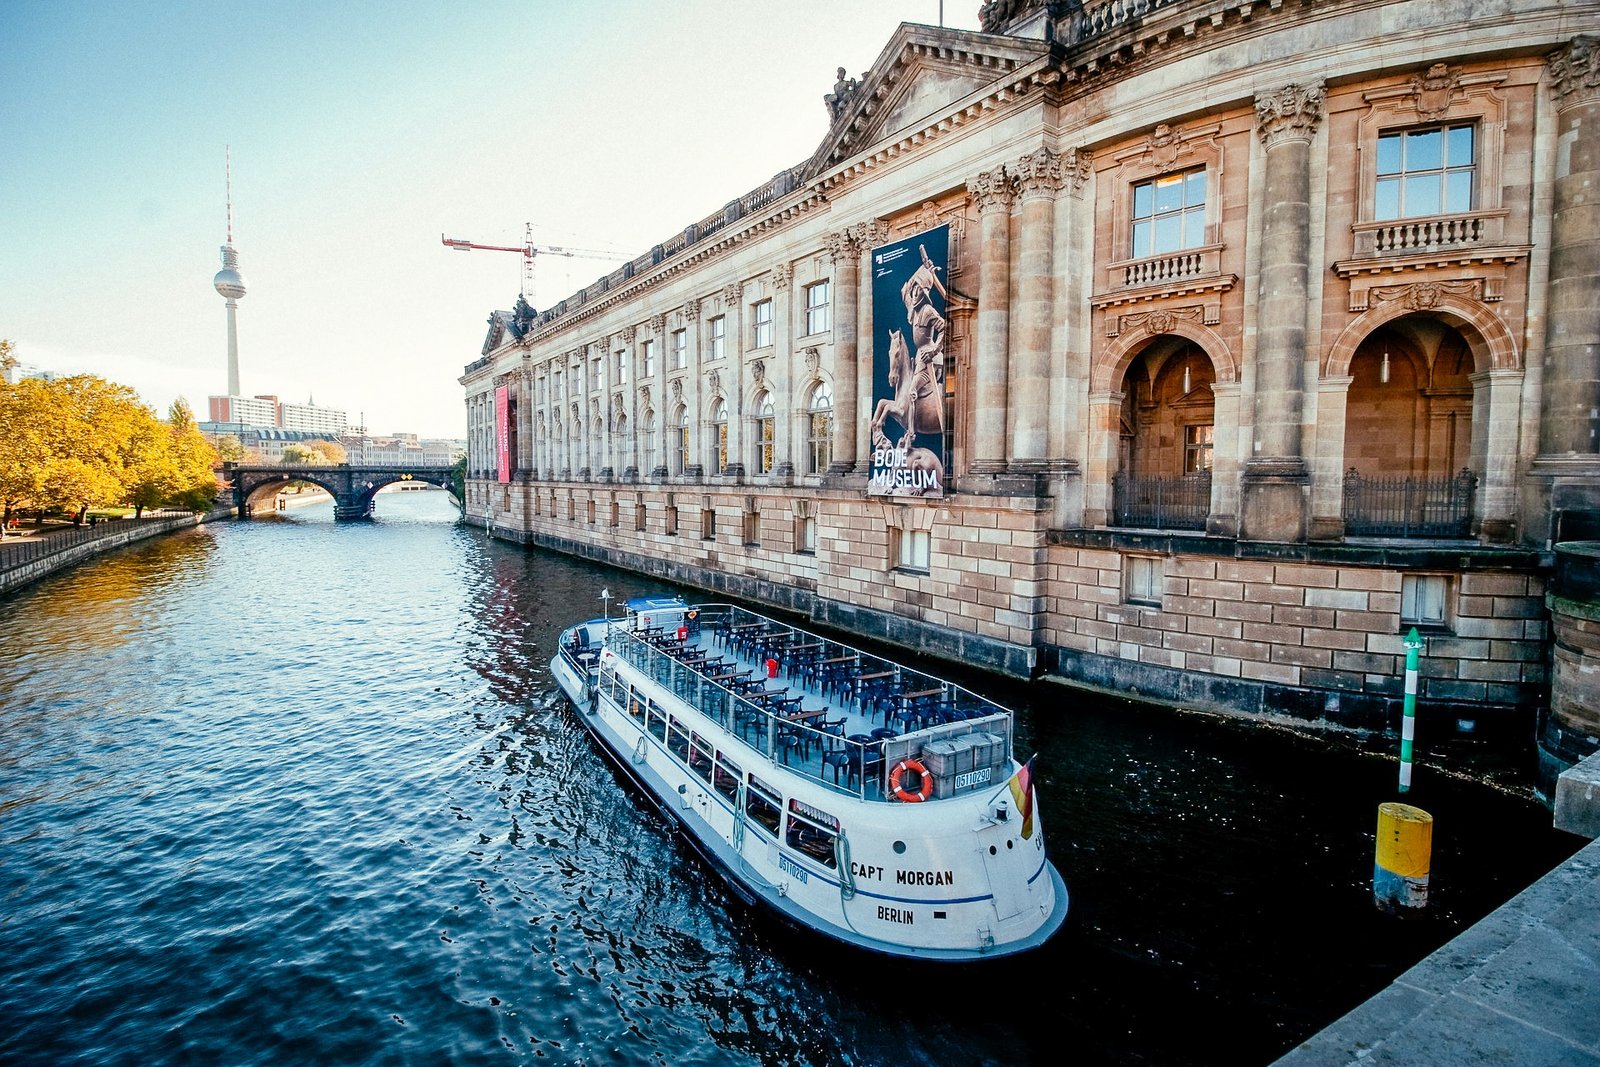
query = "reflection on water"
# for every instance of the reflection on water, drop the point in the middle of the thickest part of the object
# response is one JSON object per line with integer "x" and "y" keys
{"x": 291, "y": 791}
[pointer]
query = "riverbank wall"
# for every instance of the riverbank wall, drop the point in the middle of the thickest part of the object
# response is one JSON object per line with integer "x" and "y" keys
{"x": 24, "y": 560}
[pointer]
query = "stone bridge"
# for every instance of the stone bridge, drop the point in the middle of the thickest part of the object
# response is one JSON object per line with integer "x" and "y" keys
{"x": 352, "y": 486}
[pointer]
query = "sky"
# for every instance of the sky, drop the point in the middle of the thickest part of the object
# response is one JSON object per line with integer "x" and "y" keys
{"x": 360, "y": 133}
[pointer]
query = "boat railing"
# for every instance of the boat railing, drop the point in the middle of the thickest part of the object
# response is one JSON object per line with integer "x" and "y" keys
{"x": 927, "y": 708}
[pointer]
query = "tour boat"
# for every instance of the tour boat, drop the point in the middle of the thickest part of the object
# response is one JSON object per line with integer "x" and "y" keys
{"x": 851, "y": 795}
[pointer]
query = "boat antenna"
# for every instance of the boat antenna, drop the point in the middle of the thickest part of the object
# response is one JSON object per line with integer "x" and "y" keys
{"x": 605, "y": 598}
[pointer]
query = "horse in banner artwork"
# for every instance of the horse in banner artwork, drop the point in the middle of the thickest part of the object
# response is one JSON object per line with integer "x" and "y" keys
{"x": 917, "y": 406}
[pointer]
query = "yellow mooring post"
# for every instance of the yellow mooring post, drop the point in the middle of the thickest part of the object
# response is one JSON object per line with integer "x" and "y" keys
{"x": 1405, "y": 850}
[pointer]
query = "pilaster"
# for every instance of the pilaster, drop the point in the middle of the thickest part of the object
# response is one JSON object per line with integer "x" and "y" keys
{"x": 992, "y": 190}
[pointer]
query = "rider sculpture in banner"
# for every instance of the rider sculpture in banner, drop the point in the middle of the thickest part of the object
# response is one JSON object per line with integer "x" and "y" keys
{"x": 907, "y": 428}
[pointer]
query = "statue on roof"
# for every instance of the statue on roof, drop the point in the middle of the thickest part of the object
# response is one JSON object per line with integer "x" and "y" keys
{"x": 843, "y": 90}
{"x": 995, "y": 16}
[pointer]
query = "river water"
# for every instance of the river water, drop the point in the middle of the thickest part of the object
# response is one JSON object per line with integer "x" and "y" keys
{"x": 297, "y": 792}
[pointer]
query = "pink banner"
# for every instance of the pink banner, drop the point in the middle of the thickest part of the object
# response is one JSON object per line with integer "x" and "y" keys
{"x": 502, "y": 432}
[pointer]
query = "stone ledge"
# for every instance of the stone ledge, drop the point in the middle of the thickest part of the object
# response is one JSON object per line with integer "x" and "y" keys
{"x": 1578, "y": 798}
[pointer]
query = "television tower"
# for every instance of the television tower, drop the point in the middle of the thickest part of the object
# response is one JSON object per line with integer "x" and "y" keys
{"x": 230, "y": 283}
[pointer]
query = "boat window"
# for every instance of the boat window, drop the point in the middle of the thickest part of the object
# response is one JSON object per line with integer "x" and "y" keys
{"x": 810, "y": 838}
{"x": 700, "y": 757}
{"x": 678, "y": 739}
{"x": 658, "y": 722}
{"x": 761, "y": 804}
{"x": 635, "y": 704}
{"x": 726, "y": 778}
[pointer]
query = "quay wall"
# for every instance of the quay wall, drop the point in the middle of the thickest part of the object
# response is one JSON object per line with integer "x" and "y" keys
{"x": 1307, "y": 632}
{"x": 22, "y": 563}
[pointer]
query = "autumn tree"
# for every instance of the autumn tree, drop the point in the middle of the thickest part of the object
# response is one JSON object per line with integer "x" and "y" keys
{"x": 194, "y": 459}
{"x": 332, "y": 451}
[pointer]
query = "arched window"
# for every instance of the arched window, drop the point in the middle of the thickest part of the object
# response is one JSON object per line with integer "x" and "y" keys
{"x": 766, "y": 427}
{"x": 820, "y": 429}
{"x": 680, "y": 444}
{"x": 719, "y": 435}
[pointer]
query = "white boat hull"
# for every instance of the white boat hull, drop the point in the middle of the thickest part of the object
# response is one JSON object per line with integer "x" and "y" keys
{"x": 951, "y": 879}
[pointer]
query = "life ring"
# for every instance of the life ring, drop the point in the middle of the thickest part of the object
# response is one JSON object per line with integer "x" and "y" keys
{"x": 900, "y": 769}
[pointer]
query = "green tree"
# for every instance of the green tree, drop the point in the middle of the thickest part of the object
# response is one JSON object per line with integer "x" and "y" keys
{"x": 230, "y": 448}
{"x": 297, "y": 452}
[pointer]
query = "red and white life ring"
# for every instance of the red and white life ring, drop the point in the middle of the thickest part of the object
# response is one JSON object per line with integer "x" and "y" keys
{"x": 899, "y": 771}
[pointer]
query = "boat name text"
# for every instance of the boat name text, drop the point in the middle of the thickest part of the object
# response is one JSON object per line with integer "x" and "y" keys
{"x": 924, "y": 877}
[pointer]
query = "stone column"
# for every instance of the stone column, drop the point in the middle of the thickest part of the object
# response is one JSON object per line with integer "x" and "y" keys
{"x": 784, "y": 388}
{"x": 846, "y": 354}
{"x": 658, "y": 466}
{"x": 733, "y": 309}
{"x": 1570, "y": 730}
{"x": 1274, "y": 506}
{"x": 693, "y": 469}
{"x": 991, "y": 357}
{"x": 1569, "y": 417}
{"x": 867, "y": 236}
{"x": 1038, "y": 178}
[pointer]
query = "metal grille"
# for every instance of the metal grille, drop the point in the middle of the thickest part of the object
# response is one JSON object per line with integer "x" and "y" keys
{"x": 1408, "y": 507}
{"x": 1182, "y": 503}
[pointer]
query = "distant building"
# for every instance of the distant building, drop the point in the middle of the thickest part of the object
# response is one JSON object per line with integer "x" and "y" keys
{"x": 405, "y": 449}
{"x": 268, "y": 412}
{"x": 22, "y": 371}
{"x": 310, "y": 417}
{"x": 245, "y": 410}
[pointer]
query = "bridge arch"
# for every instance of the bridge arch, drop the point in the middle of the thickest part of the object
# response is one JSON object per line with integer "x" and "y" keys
{"x": 352, "y": 486}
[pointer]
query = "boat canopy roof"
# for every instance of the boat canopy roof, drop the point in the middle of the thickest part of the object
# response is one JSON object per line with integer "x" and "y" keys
{"x": 637, "y": 604}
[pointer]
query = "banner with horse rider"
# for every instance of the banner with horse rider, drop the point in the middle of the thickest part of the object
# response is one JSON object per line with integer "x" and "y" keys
{"x": 909, "y": 309}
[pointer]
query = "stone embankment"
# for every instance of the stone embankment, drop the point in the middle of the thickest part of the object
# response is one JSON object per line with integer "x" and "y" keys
{"x": 36, "y": 552}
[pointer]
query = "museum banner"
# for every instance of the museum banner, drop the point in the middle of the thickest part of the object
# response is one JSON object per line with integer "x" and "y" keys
{"x": 502, "y": 431}
{"x": 909, "y": 309}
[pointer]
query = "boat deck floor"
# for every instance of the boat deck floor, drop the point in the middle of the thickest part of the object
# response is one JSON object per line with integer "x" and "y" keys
{"x": 832, "y": 698}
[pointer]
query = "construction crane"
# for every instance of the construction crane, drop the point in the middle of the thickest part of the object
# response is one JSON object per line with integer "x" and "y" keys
{"x": 529, "y": 252}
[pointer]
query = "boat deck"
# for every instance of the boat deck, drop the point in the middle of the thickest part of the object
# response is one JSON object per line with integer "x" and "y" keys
{"x": 825, "y": 710}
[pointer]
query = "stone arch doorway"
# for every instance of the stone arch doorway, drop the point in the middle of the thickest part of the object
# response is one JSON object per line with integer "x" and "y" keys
{"x": 1409, "y": 410}
{"x": 1166, "y": 433}
{"x": 1168, "y": 421}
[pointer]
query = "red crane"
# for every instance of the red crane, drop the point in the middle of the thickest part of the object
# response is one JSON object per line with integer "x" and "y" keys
{"x": 529, "y": 251}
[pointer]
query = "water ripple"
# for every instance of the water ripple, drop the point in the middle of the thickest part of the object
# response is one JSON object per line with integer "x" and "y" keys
{"x": 290, "y": 792}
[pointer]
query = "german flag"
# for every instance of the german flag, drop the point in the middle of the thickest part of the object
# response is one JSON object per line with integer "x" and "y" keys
{"x": 1022, "y": 795}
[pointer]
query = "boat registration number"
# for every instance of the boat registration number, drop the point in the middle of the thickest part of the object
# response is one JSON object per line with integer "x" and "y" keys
{"x": 973, "y": 779}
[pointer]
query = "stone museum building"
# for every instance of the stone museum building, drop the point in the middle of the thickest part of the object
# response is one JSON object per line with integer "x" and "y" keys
{"x": 1192, "y": 349}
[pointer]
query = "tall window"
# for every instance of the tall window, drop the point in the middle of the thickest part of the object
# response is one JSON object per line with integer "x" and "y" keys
{"x": 680, "y": 349}
{"x": 761, "y": 324}
{"x": 911, "y": 549}
{"x": 805, "y": 535}
{"x": 1142, "y": 580}
{"x": 680, "y": 442}
{"x": 719, "y": 436}
{"x": 766, "y": 427}
{"x": 1197, "y": 441}
{"x": 1169, "y": 213}
{"x": 649, "y": 445}
{"x": 820, "y": 437}
{"x": 719, "y": 337}
{"x": 1426, "y": 172}
{"x": 817, "y": 308}
{"x": 647, "y": 359}
{"x": 621, "y": 368}
{"x": 1425, "y": 601}
{"x": 555, "y": 388}
{"x": 596, "y": 373}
